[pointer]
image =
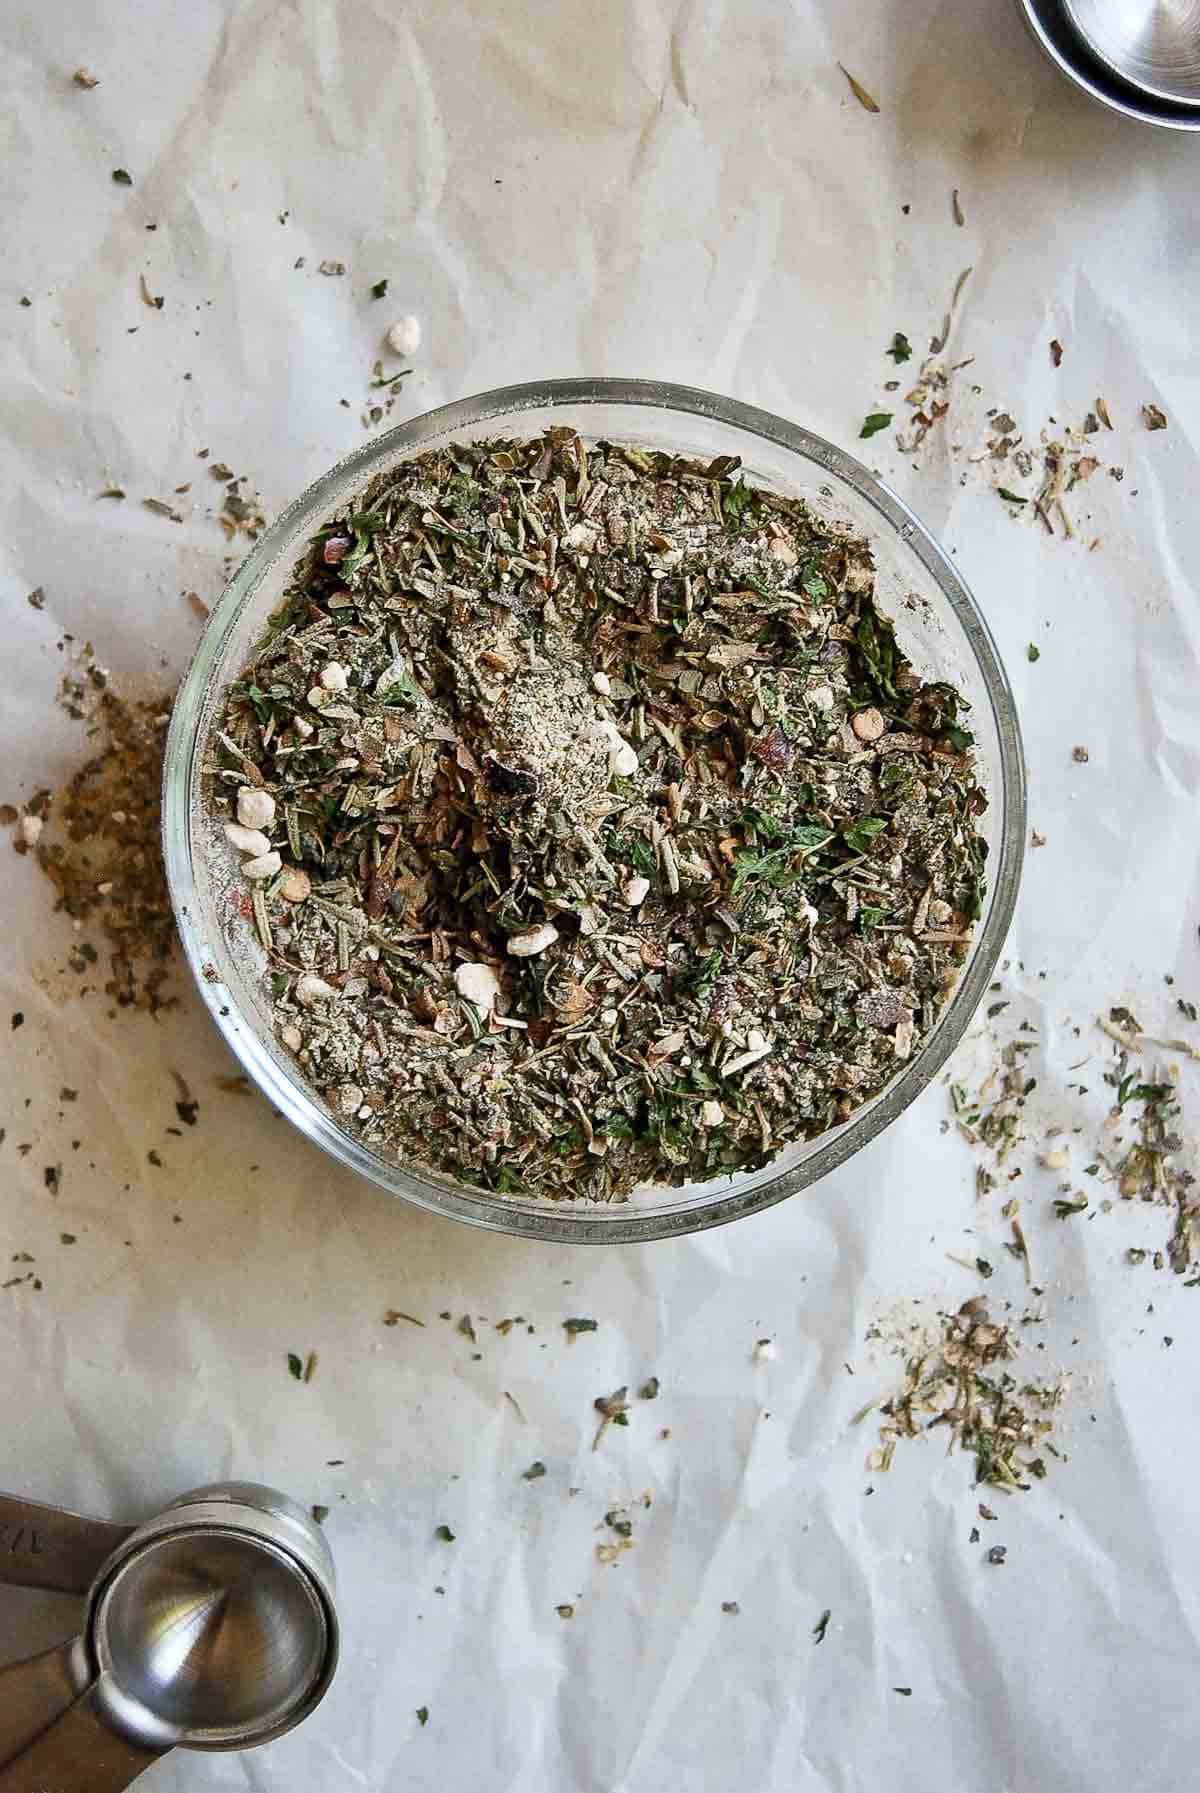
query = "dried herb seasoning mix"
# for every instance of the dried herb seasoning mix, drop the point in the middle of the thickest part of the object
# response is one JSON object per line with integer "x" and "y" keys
{"x": 595, "y": 828}
{"x": 99, "y": 841}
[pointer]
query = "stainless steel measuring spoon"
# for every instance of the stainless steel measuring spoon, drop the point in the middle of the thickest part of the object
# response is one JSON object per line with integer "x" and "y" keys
{"x": 211, "y": 1626}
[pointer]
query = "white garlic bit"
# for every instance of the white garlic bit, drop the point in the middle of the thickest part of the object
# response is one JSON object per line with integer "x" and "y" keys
{"x": 712, "y": 1114}
{"x": 255, "y": 807}
{"x": 247, "y": 840}
{"x": 310, "y": 988}
{"x": 532, "y": 941}
{"x": 479, "y": 984}
{"x": 264, "y": 866}
{"x": 404, "y": 337}
{"x": 635, "y": 891}
{"x": 334, "y": 677}
{"x": 348, "y": 1098}
{"x": 291, "y": 1036}
{"x": 1057, "y": 1158}
{"x": 764, "y": 1351}
{"x": 622, "y": 758}
{"x": 758, "y": 1046}
{"x": 601, "y": 683}
{"x": 31, "y": 830}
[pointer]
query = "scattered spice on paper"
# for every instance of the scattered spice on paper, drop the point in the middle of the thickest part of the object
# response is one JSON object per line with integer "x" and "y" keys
{"x": 959, "y": 1383}
{"x": 1135, "y": 1149}
{"x": 98, "y": 841}
{"x": 859, "y": 91}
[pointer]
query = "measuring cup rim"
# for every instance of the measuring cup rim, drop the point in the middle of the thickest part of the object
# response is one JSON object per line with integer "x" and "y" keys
{"x": 128, "y": 1715}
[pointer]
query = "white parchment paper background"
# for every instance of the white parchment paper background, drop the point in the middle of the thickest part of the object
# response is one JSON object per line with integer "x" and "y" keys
{"x": 686, "y": 192}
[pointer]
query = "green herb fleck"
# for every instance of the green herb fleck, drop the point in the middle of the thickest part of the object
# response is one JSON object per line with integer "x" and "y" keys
{"x": 736, "y": 502}
{"x": 362, "y": 527}
{"x": 614, "y": 1411}
{"x": 400, "y": 689}
{"x": 900, "y": 348}
{"x": 859, "y": 835}
{"x": 873, "y": 422}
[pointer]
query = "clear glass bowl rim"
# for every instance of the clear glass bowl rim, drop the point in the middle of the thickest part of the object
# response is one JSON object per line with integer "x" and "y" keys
{"x": 622, "y": 1223}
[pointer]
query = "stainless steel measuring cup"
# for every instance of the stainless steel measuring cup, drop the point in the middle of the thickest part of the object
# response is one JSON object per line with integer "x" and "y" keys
{"x": 211, "y": 1626}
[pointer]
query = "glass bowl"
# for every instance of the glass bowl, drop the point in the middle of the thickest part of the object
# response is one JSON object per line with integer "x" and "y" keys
{"x": 937, "y": 624}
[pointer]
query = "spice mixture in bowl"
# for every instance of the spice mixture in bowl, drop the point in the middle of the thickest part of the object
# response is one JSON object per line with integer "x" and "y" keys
{"x": 594, "y": 809}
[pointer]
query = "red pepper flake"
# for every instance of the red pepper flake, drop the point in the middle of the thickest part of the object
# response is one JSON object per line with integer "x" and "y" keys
{"x": 774, "y": 749}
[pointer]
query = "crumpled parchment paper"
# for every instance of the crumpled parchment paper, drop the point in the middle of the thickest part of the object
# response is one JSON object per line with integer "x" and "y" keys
{"x": 689, "y": 192}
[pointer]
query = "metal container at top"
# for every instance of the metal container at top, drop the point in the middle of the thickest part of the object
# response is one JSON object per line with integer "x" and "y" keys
{"x": 1152, "y": 44}
{"x": 1140, "y": 58}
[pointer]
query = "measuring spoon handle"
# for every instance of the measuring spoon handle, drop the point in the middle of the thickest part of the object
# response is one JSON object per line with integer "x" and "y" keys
{"x": 33, "y": 1694}
{"x": 48, "y": 1547}
{"x": 77, "y": 1754}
